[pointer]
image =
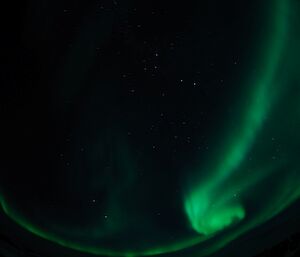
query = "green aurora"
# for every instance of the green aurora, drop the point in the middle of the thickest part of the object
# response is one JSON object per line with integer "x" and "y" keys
{"x": 217, "y": 204}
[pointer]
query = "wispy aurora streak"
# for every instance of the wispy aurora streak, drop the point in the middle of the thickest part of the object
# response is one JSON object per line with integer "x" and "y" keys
{"x": 209, "y": 207}
{"x": 216, "y": 201}
{"x": 219, "y": 201}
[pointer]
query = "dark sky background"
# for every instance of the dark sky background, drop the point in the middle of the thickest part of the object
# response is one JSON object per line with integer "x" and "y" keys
{"x": 105, "y": 107}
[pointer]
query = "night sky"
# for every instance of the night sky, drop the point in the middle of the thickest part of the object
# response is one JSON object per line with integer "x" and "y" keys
{"x": 150, "y": 128}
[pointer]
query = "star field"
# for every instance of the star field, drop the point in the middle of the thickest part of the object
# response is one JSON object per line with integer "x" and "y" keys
{"x": 151, "y": 128}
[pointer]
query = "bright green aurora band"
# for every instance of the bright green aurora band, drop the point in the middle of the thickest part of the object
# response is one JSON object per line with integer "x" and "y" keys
{"x": 217, "y": 203}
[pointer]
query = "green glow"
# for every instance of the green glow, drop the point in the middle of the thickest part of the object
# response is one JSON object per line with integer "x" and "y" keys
{"x": 29, "y": 226}
{"x": 214, "y": 217}
{"x": 219, "y": 201}
{"x": 210, "y": 206}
